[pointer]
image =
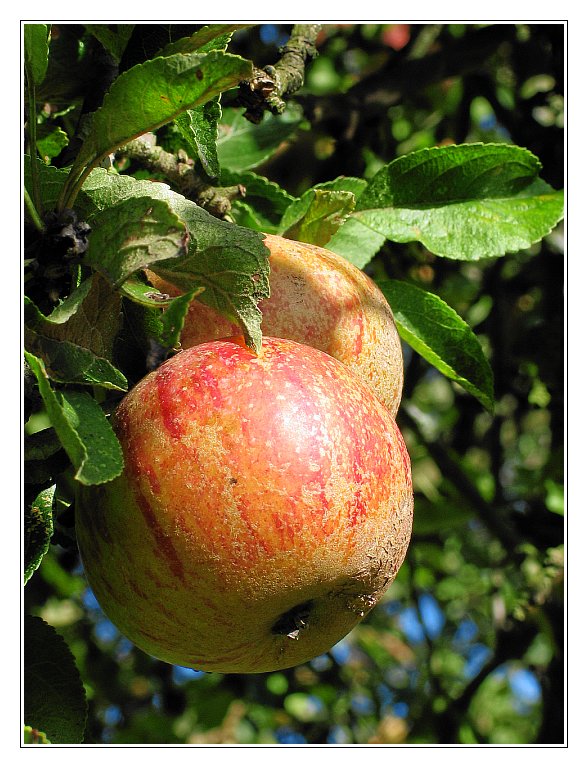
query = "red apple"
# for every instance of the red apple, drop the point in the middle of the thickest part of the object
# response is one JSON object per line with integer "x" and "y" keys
{"x": 320, "y": 299}
{"x": 265, "y": 506}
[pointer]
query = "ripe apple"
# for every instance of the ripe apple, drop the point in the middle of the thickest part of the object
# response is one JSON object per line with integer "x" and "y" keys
{"x": 320, "y": 299}
{"x": 265, "y": 506}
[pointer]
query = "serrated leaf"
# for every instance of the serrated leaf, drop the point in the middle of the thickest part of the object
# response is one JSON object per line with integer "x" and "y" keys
{"x": 104, "y": 189}
{"x": 460, "y": 172}
{"x": 344, "y": 184}
{"x": 440, "y": 336}
{"x": 36, "y": 51}
{"x": 353, "y": 240}
{"x": 114, "y": 37}
{"x": 53, "y": 693}
{"x": 199, "y": 127}
{"x": 242, "y": 145}
{"x": 173, "y": 318}
{"x": 68, "y": 363}
{"x": 51, "y": 181}
{"x": 230, "y": 262}
{"x": 350, "y": 187}
{"x": 212, "y": 37}
{"x": 142, "y": 293}
{"x": 256, "y": 186}
{"x": 150, "y": 95}
{"x": 264, "y": 201}
{"x": 76, "y": 340}
{"x": 89, "y": 317}
{"x": 316, "y": 216}
{"x": 469, "y": 201}
{"x": 104, "y": 456}
{"x": 38, "y": 529}
{"x": 82, "y": 428}
{"x": 133, "y": 234}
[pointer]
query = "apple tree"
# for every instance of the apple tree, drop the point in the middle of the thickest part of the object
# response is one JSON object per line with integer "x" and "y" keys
{"x": 428, "y": 156}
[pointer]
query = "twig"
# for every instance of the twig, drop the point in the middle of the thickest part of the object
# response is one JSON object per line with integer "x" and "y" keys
{"x": 182, "y": 174}
{"x": 268, "y": 88}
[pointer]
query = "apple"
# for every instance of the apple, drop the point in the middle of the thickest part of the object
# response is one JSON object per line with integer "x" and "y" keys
{"x": 265, "y": 506}
{"x": 320, "y": 299}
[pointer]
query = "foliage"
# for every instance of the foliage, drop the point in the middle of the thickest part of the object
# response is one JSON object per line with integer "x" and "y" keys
{"x": 432, "y": 157}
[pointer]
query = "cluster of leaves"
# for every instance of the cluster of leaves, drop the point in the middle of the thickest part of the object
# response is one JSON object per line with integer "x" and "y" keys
{"x": 94, "y": 325}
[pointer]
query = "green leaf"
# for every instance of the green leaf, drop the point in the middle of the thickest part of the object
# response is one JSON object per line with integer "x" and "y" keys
{"x": 438, "y": 333}
{"x": 150, "y": 95}
{"x": 50, "y": 141}
{"x": 353, "y": 240}
{"x": 88, "y": 317}
{"x": 51, "y": 182}
{"x": 133, "y": 234}
{"x": 246, "y": 215}
{"x": 53, "y": 694}
{"x": 68, "y": 363}
{"x": 199, "y": 127}
{"x": 41, "y": 445}
{"x": 264, "y": 203}
{"x": 468, "y": 201}
{"x": 230, "y": 262}
{"x": 256, "y": 186}
{"x": 212, "y": 37}
{"x": 76, "y": 340}
{"x": 82, "y": 428}
{"x": 114, "y": 37}
{"x": 317, "y": 215}
{"x": 242, "y": 145}
{"x": 104, "y": 456}
{"x": 38, "y": 529}
{"x": 143, "y": 326}
{"x": 441, "y": 175}
{"x": 356, "y": 242}
{"x": 143, "y": 293}
{"x": 36, "y": 51}
{"x": 173, "y": 318}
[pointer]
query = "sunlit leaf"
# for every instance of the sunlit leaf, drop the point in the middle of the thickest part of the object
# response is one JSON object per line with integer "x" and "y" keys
{"x": 439, "y": 334}
{"x": 469, "y": 201}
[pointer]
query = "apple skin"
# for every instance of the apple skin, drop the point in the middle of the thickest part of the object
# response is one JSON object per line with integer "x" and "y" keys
{"x": 320, "y": 299}
{"x": 265, "y": 506}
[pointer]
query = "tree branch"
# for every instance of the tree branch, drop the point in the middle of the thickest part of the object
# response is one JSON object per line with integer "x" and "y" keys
{"x": 269, "y": 86}
{"x": 182, "y": 174}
